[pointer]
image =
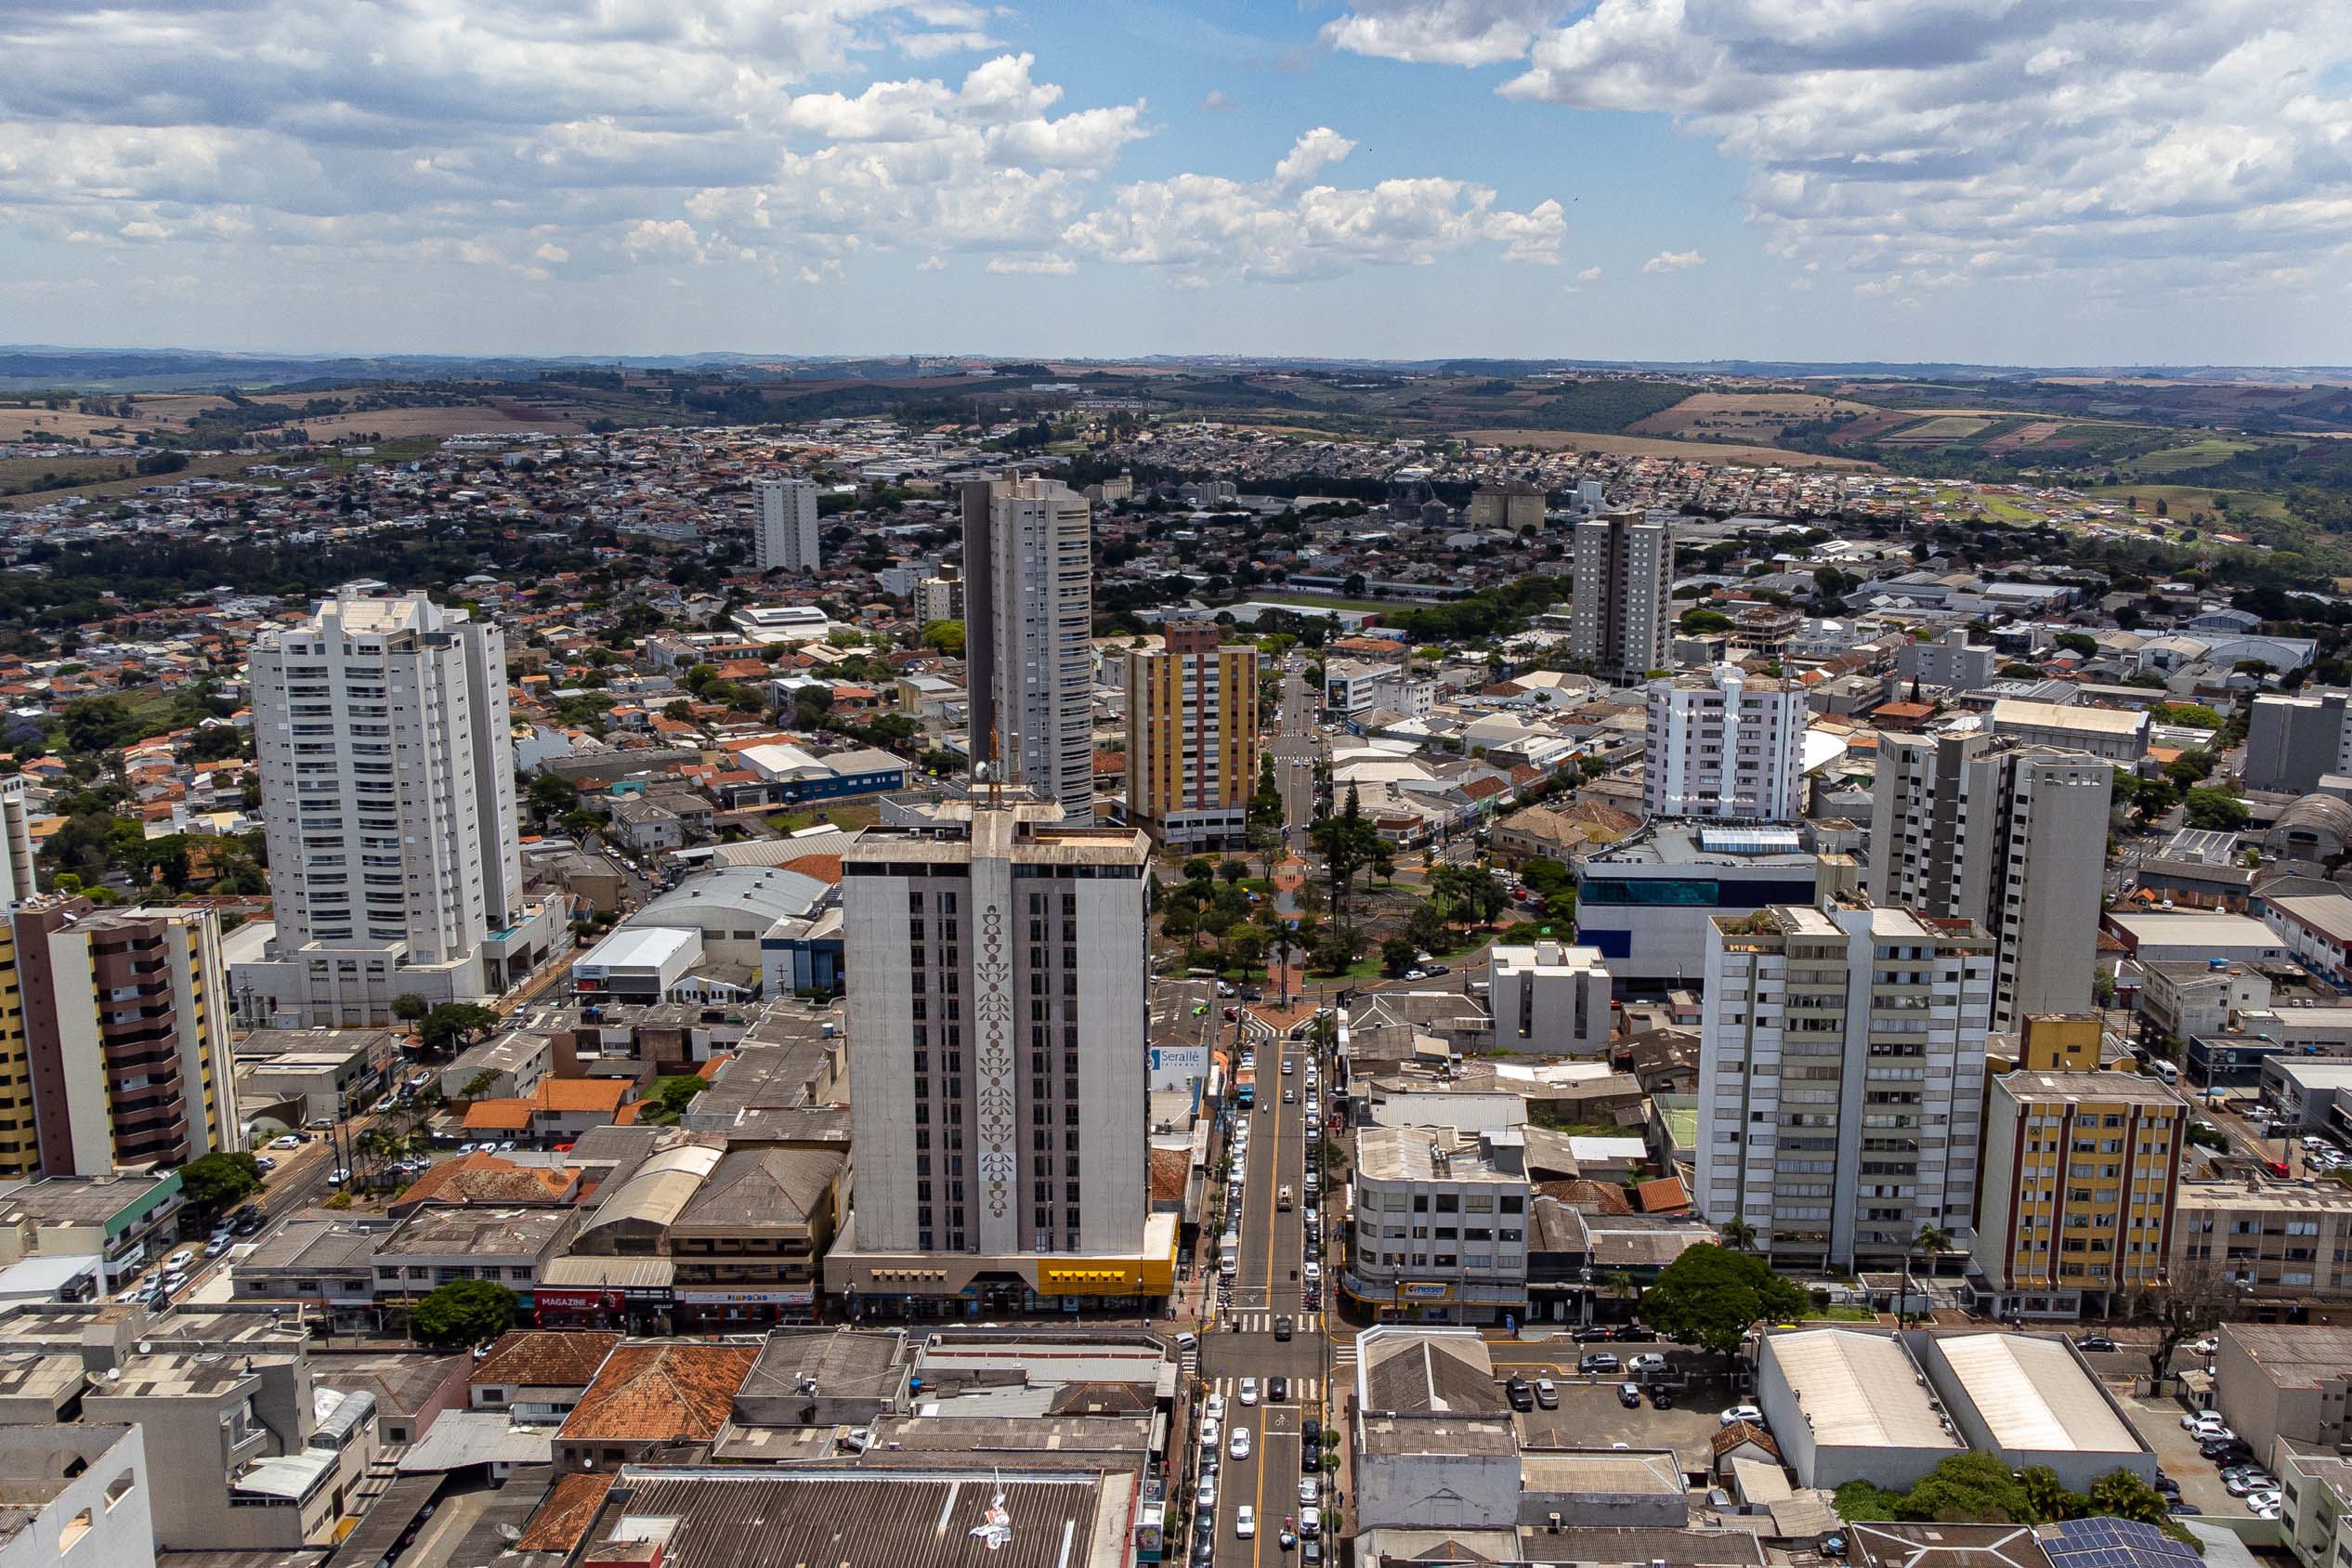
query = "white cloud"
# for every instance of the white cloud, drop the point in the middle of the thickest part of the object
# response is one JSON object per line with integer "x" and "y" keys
{"x": 932, "y": 264}
{"x": 1218, "y": 101}
{"x": 1047, "y": 266}
{"x": 1589, "y": 275}
{"x": 1208, "y": 225}
{"x": 550, "y": 251}
{"x": 825, "y": 271}
{"x": 2178, "y": 139}
{"x": 1673, "y": 261}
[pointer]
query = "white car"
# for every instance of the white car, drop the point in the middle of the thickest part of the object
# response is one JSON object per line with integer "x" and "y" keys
{"x": 1239, "y": 1447}
{"x": 2265, "y": 1501}
{"x": 1213, "y": 1407}
{"x": 288, "y": 1141}
{"x": 1205, "y": 1495}
{"x": 1738, "y": 1413}
{"x": 1244, "y": 1521}
{"x": 176, "y": 1282}
{"x": 1310, "y": 1490}
{"x": 179, "y": 1261}
{"x": 1651, "y": 1362}
{"x": 1248, "y": 1392}
{"x": 2195, "y": 1419}
{"x": 1311, "y": 1270}
{"x": 1211, "y": 1429}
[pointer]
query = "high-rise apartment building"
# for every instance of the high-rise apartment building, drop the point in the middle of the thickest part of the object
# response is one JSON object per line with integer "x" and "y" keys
{"x": 2077, "y": 1206}
{"x": 2292, "y": 742}
{"x": 387, "y": 792}
{"x": 1622, "y": 614}
{"x": 1841, "y": 1081}
{"x": 1191, "y": 737}
{"x": 114, "y": 1045}
{"x": 2006, "y": 834}
{"x": 1028, "y": 628}
{"x": 17, "y": 883}
{"x": 785, "y": 535}
{"x": 996, "y": 1054}
{"x": 1725, "y": 744}
{"x": 940, "y": 597}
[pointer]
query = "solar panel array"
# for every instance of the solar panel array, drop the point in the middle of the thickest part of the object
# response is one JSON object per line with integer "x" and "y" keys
{"x": 2114, "y": 1542}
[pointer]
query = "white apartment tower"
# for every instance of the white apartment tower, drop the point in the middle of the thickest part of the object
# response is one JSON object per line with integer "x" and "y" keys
{"x": 17, "y": 882}
{"x": 785, "y": 536}
{"x": 2006, "y": 834}
{"x": 1620, "y": 619}
{"x": 1841, "y": 1081}
{"x": 1722, "y": 744}
{"x": 387, "y": 793}
{"x": 998, "y": 1041}
{"x": 1028, "y": 628}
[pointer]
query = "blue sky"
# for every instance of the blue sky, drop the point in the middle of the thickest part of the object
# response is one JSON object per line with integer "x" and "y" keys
{"x": 2038, "y": 181}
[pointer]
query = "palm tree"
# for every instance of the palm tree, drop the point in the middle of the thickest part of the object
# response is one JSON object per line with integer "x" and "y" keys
{"x": 1931, "y": 1240}
{"x": 1739, "y": 1235}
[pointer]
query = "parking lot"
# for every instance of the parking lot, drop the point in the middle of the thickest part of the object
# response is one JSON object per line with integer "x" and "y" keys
{"x": 2158, "y": 1422}
{"x": 1590, "y": 1416}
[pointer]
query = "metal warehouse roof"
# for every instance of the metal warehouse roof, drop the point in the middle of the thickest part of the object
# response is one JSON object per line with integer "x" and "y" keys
{"x": 2033, "y": 1396}
{"x": 1859, "y": 1391}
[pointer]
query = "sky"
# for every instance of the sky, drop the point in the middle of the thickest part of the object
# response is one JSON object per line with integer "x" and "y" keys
{"x": 1989, "y": 181}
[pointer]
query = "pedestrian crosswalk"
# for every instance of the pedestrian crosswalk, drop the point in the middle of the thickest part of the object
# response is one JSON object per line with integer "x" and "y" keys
{"x": 1301, "y": 1392}
{"x": 1343, "y": 1352}
{"x": 1263, "y": 1322}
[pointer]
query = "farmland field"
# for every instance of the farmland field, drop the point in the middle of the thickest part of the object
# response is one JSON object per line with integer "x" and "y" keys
{"x": 1650, "y": 446}
{"x": 2190, "y": 454}
{"x": 1742, "y": 417}
{"x": 1941, "y": 431}
{"x": 460, "y": 420}
{"x": 103, "y": 477}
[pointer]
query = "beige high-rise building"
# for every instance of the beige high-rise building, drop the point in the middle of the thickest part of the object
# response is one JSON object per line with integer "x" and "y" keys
{"x": 784, "y": 536}
{"x": 2008, "y": 834}
{"x": 1620, "y": 619}
{"x": 1029, "y": 571}
{"x": 2077, "y": 1206}
{"x": 1841, "y": 1080}
{"x": 1191, "y": 737}
{"x": 997, "y": 1046}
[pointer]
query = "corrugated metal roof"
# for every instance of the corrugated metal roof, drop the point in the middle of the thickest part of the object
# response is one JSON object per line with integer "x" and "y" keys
{"x": 1857, "y": 1391}
{"x": 2033, "y": 1396}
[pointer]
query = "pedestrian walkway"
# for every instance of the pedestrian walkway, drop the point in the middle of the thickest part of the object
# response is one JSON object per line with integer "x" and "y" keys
{"x": 1303, "y": 1392}
{"x": 1263, "y": 1321}
{"x": 1343, "y": 1352}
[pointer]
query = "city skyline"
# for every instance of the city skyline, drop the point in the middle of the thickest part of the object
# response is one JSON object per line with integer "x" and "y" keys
{"x": 1922, "y": 182}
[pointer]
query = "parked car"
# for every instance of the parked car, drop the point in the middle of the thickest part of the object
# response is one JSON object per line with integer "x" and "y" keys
{"x": 286, "y": 1141}
{"x": 216, "y": 1247}
{"x": 2179, "y": 1507}
{"x": 1649, "y": 1362}
{"x": 2096, "y": 1342}
{"x": 1629, "y": 1395}
{"x": 1597, "y": 1361}
{"x": 1521, "y": 1393}
{"x": 1547, "y": 1393}
{"x": 1738, "y": 1413}
{"x": 1661, "y": 1397}
{"x": 1204, "y": 1494}
{"x": 1213, "y": 1407}
{"x": 179, "y": 1261}
{"x": 265, "y": 1162}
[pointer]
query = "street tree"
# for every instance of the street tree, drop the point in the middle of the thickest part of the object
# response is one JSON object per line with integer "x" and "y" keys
{"x": 1710, "y": 1295}
{"x": 463, "y": 1313}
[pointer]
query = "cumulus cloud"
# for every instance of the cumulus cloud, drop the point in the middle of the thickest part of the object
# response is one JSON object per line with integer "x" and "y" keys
{"x": 2012, "y": 137}
{"x": 1589, "y": 275}
{"x": 1673, "y": 261}
{"x": 1207, "y": 224}
{"x": 1047, "y": 266}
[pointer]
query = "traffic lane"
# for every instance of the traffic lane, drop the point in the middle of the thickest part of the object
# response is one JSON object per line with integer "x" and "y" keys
{"x": 1267, "y": 1482}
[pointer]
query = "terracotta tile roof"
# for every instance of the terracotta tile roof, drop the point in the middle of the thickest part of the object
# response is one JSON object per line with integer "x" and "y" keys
{"x": 498, "y": 1116}
{"x": 1731, "y": 1437}
{"x": 579, "y": 1094}
{"x": 1600, "y": 1197}
{"x": 1661, "y": 1197}
{"x": 661, "y": 1393}
{"x": 824, "y": 868}
{"x": 546, "y": 1358}
{"x": 565, "y": 1514}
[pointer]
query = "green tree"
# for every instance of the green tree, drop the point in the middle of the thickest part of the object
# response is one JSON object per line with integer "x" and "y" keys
{"x": 1861, "y": 1501}
{"x": 550, "y": 796}
{"x": 2125, "y": 1496}
{"x": 1425, "y": 927}
{"x": 946, "y": 637}
{"x": 1967, "y": 1489}
{"x": 463, "y": 1313}
{"x": 2215, "y": 810}
{"x": 2048, "y": 1498}
{"x": 217, "y": 1181}
{"x": 1396, "y": 954}
{"x": 1738, "y": 1234}
{"x": 672, "y": 1092}
{"x": 1711, "y": 1295}
{"x": 1699, "y": 621}
{"x": 453, "y": 1026}
{"x": 409, "y": 1007}
{"x": 99, "y": 723}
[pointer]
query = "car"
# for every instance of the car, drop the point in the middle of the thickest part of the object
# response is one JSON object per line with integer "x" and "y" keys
{"x": 2178, "y": 1507}
{"x": 2246, "y": 1483}
{"x": 1661, "y": 1397}
{"x": 1649, "y": 1362}
{"x": 1311, "y": 1270}
{"x": 1232, "y": 1016}
{"x": 1310, "y": 1492}
{"x": 1204, "y": 1494}
{"x": 338, "y": 1176}
{"x": 1289, "y": 1065}
{"x": 179, "y": 1261}
{"x": 286, "y": 1141}
{"x": 1290, "y": 1096}
{"x": 506, "y": 1146}
{"x": 1416, "y": 974}
{"x": 216, "y": 1247}
{"x": 1521, "y": 1393}
{"x": 133, "y": 1294}
{"x": 1282, "y": 1327}
{"x": 1547, "y": 1393}
{"x": 2214, "y": 1432}
{"x": 1593, "y": 1334}
{"x": 1310, "y": 1443}
{"x": 2166, "y": 1485}
{"x": 381, "y": 1106}
{"x": 1248, "y": 1391}
{"x": 2190, "y": 1420}
{"x": 249, "y": 1221}
{"x": 2222, "y": 1450}
{"x": 1438, "y": 969}
{"x": 1244, "y": 1521}
{"x": 1735, "y": 1414}
{"x": 320, "y": 1124}
{"x": 174, "y": 1283}
{"x": 1212, "y": 1430}
{"x": 1277, "y": 1390}
{"x": 2206, "y": 1346}
{"x": 1629, "y": 1395}
{"x": 265, "y": 1162}
{"x": 1597, "y": 1361}
{"x": 2264, "y": 1500}
{"x": 1213, "y": 1407}
{"x": 1312, "y": 1553}
{"x": 2096, "y": 1342}
{"x": 1238, "y": 1444}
